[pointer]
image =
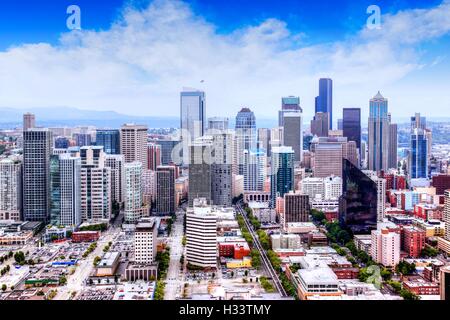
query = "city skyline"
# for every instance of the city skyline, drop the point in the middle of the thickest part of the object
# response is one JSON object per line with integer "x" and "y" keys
{"x": 402, "y": 61}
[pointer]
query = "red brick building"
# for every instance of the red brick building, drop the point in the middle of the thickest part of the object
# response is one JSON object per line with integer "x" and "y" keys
{"x": 235, "y": 250}
{"x": 422, "y": 287}
{"x": 85, "y": 236}
{"x": 441, "y": 183}
{"x": 413, "y": 241}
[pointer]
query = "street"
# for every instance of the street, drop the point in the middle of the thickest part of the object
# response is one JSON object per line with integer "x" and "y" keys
{"x": 174, "y": 276}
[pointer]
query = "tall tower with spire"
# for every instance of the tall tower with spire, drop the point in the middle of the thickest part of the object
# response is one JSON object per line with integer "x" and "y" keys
{"x": 379, "y": 127}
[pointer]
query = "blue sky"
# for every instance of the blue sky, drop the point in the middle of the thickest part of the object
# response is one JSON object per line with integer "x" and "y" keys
{"x": 23, "y": 21}
{"x": 136, "y": 55}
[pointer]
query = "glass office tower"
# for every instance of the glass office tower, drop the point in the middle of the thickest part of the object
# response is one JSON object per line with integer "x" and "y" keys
{"x": 358, "y": 203}
{"x": 109, "y": 139}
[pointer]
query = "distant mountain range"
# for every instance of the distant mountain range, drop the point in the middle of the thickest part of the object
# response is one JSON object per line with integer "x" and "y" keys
{"x": 64, "y": 116}
{"x": 70, "y": 117}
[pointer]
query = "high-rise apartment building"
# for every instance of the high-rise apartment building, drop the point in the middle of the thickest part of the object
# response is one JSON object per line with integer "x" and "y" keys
{"x": 96, "y": 204}
{"x": 37, "y": 150}
{"x": 145, "y": 243}
{"x": 134, "y": 208}
{"x": 10, "y": 189}
{"x": 116, "y": 163}
{"x": 133, "y": 143}
{"x": 201, "y": 235}
{"x": 109, "y": 139}
{"x": 255, "y": 163}
{"x": 65, "y": 172}
{"x": 154, "y": 158}
{"x": 379, "y": 129}
{"x": 385, "y": 248}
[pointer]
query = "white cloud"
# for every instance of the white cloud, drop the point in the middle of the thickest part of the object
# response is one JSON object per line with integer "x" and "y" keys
{"x": 140, "y": 64}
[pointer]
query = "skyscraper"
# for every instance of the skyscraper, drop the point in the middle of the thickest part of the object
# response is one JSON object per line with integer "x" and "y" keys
{"x": 165, "y": 190}
{"x": 358, "y": 204}
{"x": 264, "y": 140}
{"x": 133, "y": 143}
{"x": 351, "y": 125}
{"x": 193, "y": 117}
{"x": 293, "y": 134}
{"x": 134, "y": 209}
{"x": 109, "y": 139}
{"x": 446, "y": 216}
{"x": 29, "y": 121}
{"x": 200, "y": 169}
{"x": 218, "y": 123}
{"x": 66, "y": 190}
{"x": 222, "y": 169}
{"x": 419, "y": 153}
{"x": 324, "y": 102}
{"x": 319, "y": 124}
{"x": 153, "y": 156}
{"x": 82, "y": 139}
{"x": 201, "y": 235}
{"x": 96, "y": 201}
{"x": 379, "y": 130}
{"x": 116, "y": 163}
{"x": 37, "y": 149}
{"x": 393, "y": 145}
{"x": 10, "y": 189}
{"x": 246, "y": 135}
{"x": 255, "y": 162}
{"x": 296, "y": 208}
{"x": 288, "y": 104}
{"x": 282, "y": 173}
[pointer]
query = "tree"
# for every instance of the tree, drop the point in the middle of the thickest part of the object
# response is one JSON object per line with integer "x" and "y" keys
{"x": 317, "y": 215}
{"x": 343, "y": 236}
{"x": 19, "y": 257}
{"x": 405, "y": 268}
{"x": 4, "y": 287}
{"x": 408, "y": 295}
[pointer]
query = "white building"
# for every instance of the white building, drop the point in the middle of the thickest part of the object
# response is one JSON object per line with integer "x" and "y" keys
{"x": 201, "y": 235}
{"x": 381, "y": 193}
{"x": 145, "y": 241}
{"x": 329, "y": 188}
{"x": 332, "y": 187}
{"x": 95, "y": 185}
{"x": 70, "y": 190}
{"x": 134, "y": 209}
{"x": 10, "y": 189}
{"x": 286, "y": 241}
{"x": 385, "y": 248}
{"x": 255, "y": 163}
{"x": 148, "y": 186}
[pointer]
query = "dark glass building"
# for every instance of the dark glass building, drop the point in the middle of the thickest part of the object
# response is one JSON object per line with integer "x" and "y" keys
{"x": 109, "y": 139}
{"x": 351, "y": 125}
{"x": 324, "y": 102}
{"x": 62, "y": 143}
{"x": 358, "y": 203}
